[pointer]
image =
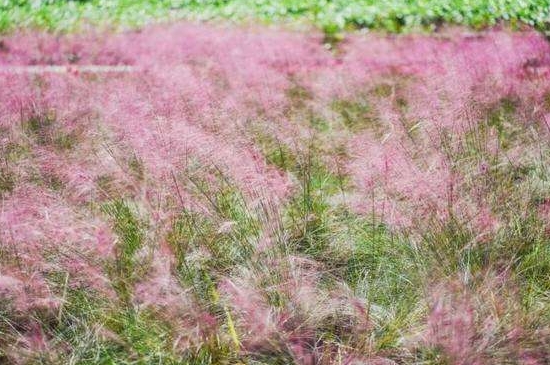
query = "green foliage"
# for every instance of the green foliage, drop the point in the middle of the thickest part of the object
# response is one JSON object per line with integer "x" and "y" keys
{"x": 359, "y": 251}
{"x": 13, "y": 151}
{"x": 7, "y": 181}
{"x": 137, "y": 170}
{"x": 330, "y": 15}
{"x": 130, "y": 232}
{"x": 44, "y": 129}
{"x": 356, "y": 114}
{"x": 276, "y": 152}
{"x": 207, "y": 246}
{"x": 131, "y": 238}
{"x": 99, "y": 331}
{"x": 39, "y": 127}
{"x": 501, "y": 117}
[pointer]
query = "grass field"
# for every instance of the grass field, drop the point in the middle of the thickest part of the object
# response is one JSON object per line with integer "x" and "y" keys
{"x": 205, "y": 193}
{"x": 391, "y": 15}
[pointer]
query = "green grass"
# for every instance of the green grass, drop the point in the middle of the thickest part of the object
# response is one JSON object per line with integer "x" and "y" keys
{"x": 44, "y": 129}
{"x": 332, "y": 16}
{"x": 7, "y": 181}
{"x": 131, "y": 238}
{"x": 356, "y": 115}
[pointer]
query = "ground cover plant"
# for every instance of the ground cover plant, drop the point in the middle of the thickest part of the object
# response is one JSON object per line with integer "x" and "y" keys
{"x": 330, "y": 15}
{"x": 221, "y": 194}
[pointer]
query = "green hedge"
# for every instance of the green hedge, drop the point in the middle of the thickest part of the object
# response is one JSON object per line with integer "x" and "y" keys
{"x": 391, "y": 15}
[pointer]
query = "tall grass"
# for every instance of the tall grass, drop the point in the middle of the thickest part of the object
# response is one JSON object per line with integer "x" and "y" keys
{"x": 384, "y": 202}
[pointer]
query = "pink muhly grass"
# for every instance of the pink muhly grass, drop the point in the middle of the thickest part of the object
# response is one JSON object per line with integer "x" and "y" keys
{"x": 483, "y": 324}
{"x": 170, "y": 116}
{"x": 451, "y": 325}
{"x": 291, "y": 325}
{"x": 388, "y": 167}
{"x": 161, "y": 292}
{"x": 35, "y": 224}
{"x": 188, "y": 121}
{"x": 412, "y": 166}
{"x": 31, "y": 296}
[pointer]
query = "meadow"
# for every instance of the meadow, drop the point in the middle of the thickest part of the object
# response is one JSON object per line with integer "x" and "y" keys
{"x": 221, "y": 192}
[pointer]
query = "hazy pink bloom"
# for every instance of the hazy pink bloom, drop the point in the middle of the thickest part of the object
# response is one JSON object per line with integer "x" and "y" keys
{"x": 260, "y": 322}
{"x": 9, "y": 283}
{"x": 34, "y": 340}
{"x": 161, "y": 288}
{"x": 301, "y": 354}
{"x": 451, "y": 326}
